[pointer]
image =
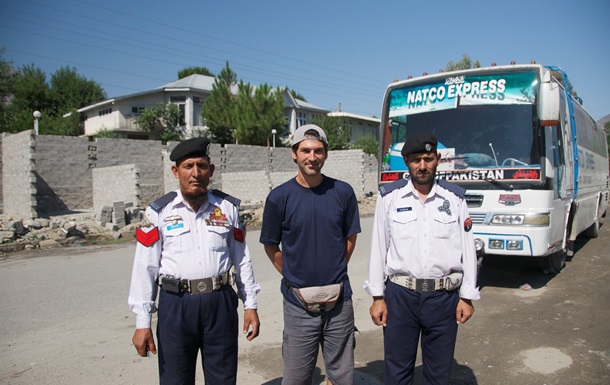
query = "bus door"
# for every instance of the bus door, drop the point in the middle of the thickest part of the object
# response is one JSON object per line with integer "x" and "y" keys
{"x": 566, "y": 153}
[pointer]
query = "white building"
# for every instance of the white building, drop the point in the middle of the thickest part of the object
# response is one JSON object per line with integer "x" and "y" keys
{"x": 361, "y": 125}
{"x": 118, "y": 114}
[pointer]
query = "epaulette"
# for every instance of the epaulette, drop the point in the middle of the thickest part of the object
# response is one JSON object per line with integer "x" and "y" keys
{"x": 227, "y": 197}
{"x": 385, "y": 189}
{"x": 454, "y": 188}
{"x": 163, "y": 201}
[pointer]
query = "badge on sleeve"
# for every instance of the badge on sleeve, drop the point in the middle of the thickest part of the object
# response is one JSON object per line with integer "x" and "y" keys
{"x": 149, "y": 237}
{"x": 467, "y": 224}
{"x": 239, "y": 234}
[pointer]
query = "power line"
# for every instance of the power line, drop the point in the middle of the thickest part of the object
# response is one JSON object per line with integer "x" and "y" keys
{"x": 340, "y": 84}
{"x": 186, "y": 54}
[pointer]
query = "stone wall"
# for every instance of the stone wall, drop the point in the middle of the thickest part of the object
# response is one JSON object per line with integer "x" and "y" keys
{"x": 19, "y": 175}
{"x": 115, "y": 184}
{"x": 62, "y": 176}
{"x": 63, "y": 173}
{"x": 146, "y": 155}
{"x": 351, "y": 166}
{"x": 1, "y": 184}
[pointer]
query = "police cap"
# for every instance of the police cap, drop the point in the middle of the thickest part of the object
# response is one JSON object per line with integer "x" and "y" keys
{"x": 191, "y": 148}
{"x": 419, "y": 142}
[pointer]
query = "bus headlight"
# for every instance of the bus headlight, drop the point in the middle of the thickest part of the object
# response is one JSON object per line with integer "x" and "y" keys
{"x": 538, "y": 219}
{"x": 478, "y": 244}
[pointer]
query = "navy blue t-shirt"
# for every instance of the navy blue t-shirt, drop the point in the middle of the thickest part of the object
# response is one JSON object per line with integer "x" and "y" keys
{"x": 311, "y": 224}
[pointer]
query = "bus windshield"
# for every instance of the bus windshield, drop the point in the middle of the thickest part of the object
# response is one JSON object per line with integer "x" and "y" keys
{"x": 482, "y": 135}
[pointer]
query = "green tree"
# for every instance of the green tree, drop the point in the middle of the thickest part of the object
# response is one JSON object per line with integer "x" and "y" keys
{"x": 31, "y": 90}
{"x": 338, "y": 131}
{"x": 7, "y": 88}
{"x": 72, "y": 125}
{"x": 257, "y": 112}
{"x": 69, "y": 90}
{"x": 194, "y": 70}
{"x": 26, "y": 90}
{"x": 217, "y": 109}
{"x": 107, "y": 134}
{"x": 463, "y": 64}
{"x": 162, "y": 121}
{"x": 297, "y": 95}
{"x": 368, "y": 144}
{"x": 30, "y": 93}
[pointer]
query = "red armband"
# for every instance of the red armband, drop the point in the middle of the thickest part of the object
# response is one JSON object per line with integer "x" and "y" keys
{"x": 239, "y": 234}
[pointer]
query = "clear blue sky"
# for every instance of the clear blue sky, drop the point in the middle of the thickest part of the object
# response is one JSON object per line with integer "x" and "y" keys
{"x": 328, "y": 51}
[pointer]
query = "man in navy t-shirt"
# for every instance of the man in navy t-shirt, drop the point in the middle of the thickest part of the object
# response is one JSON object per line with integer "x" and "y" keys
{"x": 315, "y": 219}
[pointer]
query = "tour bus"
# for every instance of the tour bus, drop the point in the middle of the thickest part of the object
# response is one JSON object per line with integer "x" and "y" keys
{"x": 533, "y": 162}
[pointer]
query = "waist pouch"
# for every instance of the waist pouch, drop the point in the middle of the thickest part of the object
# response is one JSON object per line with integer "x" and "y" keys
{"x": 318, "y": 299}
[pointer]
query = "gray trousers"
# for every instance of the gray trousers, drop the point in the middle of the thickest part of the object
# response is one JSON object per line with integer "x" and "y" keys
{"x": 305, "y": 332}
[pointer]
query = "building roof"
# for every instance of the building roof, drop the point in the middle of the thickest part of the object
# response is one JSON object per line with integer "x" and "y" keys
{"x": 194, "y": 83}
{"x": 341, "y": 114}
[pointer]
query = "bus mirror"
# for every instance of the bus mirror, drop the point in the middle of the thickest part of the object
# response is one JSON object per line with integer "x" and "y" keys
{"x": 548, "y": 104}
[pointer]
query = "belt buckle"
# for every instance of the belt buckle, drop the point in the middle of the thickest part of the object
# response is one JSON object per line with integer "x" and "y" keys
{"x": 425, "y": 285}
{"x": 201, "y": 286}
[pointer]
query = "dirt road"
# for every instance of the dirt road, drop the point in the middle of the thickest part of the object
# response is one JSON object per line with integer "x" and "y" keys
{"x": 64, "y": 319}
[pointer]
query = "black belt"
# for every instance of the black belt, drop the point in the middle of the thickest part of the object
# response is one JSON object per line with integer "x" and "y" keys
{"x": 194, "y": 286}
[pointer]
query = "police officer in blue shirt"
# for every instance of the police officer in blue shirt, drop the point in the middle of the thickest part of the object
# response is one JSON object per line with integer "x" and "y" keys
{"x": 189, "y": 246}
{"x": 422, "y": 267}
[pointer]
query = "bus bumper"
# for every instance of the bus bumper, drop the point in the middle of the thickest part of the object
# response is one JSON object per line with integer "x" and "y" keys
{"x": 514, "y": 241}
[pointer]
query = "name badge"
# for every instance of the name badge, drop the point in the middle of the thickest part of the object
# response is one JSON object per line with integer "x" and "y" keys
{"x": 402, "y": 209}
{"x": 175, "y": 226}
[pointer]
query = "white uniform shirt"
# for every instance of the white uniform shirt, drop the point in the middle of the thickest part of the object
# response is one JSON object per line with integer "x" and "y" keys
{"x": 421, "y": 239}
{"x": 191, "y": 246}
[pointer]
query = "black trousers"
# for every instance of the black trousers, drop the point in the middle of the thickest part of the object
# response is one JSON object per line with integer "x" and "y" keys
{"x": 188, "y": 324}
{"x": 412, "y": 315}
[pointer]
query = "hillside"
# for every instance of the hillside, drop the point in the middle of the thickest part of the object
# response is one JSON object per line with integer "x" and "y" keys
{"x": 604, "y": 120}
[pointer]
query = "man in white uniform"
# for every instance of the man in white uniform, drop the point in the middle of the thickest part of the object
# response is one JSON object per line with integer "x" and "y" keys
{"x": 190, "y": 244}
{"x": 422, "y": 267}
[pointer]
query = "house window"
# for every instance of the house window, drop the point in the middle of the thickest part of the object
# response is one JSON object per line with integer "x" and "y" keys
{"x": 182, "y": 108}
{"x": 180, "y": 101}
{"x": 105, "y": 111}
{"x": 137, "y": 109}
{"x": 301, "y": 119}
{"x": 197, "y": 100}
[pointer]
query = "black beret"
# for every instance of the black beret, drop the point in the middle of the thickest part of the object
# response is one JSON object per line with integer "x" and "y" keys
{"x": 192, "y": 148}
{"x": 419, "y": 142}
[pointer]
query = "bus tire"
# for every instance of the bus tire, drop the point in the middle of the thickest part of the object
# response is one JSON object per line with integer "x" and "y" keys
{"x": 553, "y": 263}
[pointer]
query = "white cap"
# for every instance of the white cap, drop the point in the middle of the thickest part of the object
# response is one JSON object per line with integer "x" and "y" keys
{"x": 299, "y": 134}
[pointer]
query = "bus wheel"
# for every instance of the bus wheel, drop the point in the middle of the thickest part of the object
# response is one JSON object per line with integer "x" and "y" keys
{"x": 552, "y": 264}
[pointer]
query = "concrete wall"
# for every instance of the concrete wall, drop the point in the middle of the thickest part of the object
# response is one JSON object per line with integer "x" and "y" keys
{"x": 351, "y": 166}
{"x": 19, "y": 175}
{"x": 139, "y": 171}
{"x": 146, "y": 155}
{"x": 1, "y": 184}
{"x": 115, "y": 184}
{"x": 63, "y": 168}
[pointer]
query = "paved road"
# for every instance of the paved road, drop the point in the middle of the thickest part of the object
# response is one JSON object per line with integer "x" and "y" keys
{"x": 64, "y": 319}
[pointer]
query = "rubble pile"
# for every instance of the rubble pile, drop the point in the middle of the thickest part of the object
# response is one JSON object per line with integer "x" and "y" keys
{"x": 114, "y": 223}
{"x": 111, "y": 224}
